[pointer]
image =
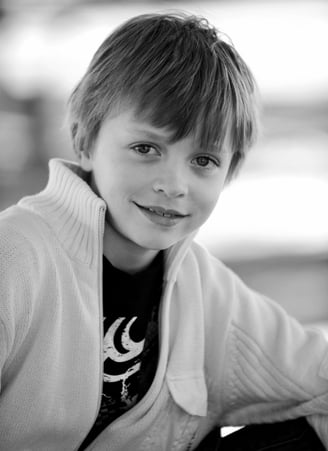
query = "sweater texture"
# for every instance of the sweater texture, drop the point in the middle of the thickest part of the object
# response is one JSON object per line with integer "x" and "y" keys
{"x": 228, "y": 355}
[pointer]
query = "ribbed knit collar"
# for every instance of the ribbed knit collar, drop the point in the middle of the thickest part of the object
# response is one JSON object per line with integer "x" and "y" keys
{"x": 72, "y": 210}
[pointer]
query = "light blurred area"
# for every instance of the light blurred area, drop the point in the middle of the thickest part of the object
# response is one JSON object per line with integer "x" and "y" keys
{"x": 271, "y": 223}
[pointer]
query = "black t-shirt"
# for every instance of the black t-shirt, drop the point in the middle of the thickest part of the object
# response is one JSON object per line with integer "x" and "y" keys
{"x": 130, "y": 310}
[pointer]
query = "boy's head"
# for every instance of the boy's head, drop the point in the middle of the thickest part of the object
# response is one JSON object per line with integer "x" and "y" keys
{"x": 175, "y": 71}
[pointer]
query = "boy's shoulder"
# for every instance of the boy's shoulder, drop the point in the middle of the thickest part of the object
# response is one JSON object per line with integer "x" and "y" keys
{"x": 211, "y": 272}
{"x": 17, "y": 218}
{"x": 206, "y": 260}
{"x": 19, "y": 233}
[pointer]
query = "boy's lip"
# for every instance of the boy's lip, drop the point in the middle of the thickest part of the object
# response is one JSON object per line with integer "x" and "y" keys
{"x": 162, "y": 211}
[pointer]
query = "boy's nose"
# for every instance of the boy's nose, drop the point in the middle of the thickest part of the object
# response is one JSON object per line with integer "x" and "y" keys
{"x": 171, "y": 185}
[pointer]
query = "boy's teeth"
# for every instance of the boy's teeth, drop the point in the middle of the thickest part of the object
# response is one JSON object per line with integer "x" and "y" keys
{"x": 166, "y": 215}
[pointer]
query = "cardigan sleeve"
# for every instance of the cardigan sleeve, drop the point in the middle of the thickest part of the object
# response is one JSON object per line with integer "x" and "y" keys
{"x": 16, "y": 288}
{"x": 272, "y": 367}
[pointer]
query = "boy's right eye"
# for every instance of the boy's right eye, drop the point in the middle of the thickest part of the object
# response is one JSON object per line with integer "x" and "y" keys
{"x": 145, "y": 149}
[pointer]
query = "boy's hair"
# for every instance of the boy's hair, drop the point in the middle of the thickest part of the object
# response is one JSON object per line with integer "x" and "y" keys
{"x": 177, "y": 71}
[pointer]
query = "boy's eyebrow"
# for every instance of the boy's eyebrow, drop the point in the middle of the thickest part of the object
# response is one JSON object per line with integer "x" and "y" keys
{"x": 156, "y": 136}
{"x": 220, "y": 149}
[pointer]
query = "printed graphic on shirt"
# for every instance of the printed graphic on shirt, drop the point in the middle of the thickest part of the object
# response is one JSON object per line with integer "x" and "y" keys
{"x": 120, "y": 347}
{"x": 122, "y": 362}
{"x": 123, "y": 339}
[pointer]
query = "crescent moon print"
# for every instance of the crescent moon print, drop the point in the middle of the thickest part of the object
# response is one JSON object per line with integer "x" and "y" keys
{"x": 133, "y": 348}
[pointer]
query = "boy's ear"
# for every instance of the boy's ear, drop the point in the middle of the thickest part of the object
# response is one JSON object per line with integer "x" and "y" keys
{"x": 86, "y": 161}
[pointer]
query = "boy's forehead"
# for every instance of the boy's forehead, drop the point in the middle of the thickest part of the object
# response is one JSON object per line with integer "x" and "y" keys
{"x": 144, "y": 124}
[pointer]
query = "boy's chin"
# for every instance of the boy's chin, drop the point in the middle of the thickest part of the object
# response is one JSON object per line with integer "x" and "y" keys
{"x": 158, "y": 244}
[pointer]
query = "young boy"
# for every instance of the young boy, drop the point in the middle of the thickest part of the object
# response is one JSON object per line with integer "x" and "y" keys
{"x": 117, "y": 331}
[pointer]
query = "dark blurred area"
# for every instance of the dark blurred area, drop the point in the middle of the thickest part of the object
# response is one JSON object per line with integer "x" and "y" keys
{"x": 271, "y": 223}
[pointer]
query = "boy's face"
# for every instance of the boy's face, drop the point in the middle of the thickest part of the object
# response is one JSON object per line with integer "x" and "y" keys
{"x": 157, "y": 192}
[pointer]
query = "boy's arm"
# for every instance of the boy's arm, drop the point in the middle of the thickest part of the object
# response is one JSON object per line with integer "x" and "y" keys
{"x": 274, "y": 368}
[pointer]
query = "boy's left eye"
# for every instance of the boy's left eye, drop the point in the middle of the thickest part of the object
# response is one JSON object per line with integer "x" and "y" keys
{"x": 206, "y": 162}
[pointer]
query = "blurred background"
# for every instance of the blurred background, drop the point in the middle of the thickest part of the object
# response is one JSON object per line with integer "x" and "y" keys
{"x": 271, "y": 223}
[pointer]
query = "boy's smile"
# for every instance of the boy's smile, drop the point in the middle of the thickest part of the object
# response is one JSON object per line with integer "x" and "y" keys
{"x": 157, "y": 191}
{"x": 161, "y": 215}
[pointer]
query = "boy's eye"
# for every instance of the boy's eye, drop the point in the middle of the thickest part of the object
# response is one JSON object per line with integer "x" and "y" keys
{"x": 145, "y": 149}
{"x": 206, "y": 162}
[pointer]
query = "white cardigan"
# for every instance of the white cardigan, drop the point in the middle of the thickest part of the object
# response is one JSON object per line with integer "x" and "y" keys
{"x": 228, "y": 356}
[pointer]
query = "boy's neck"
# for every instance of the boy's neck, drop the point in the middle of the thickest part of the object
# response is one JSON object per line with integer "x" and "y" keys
{"x": 127, "y": 257}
